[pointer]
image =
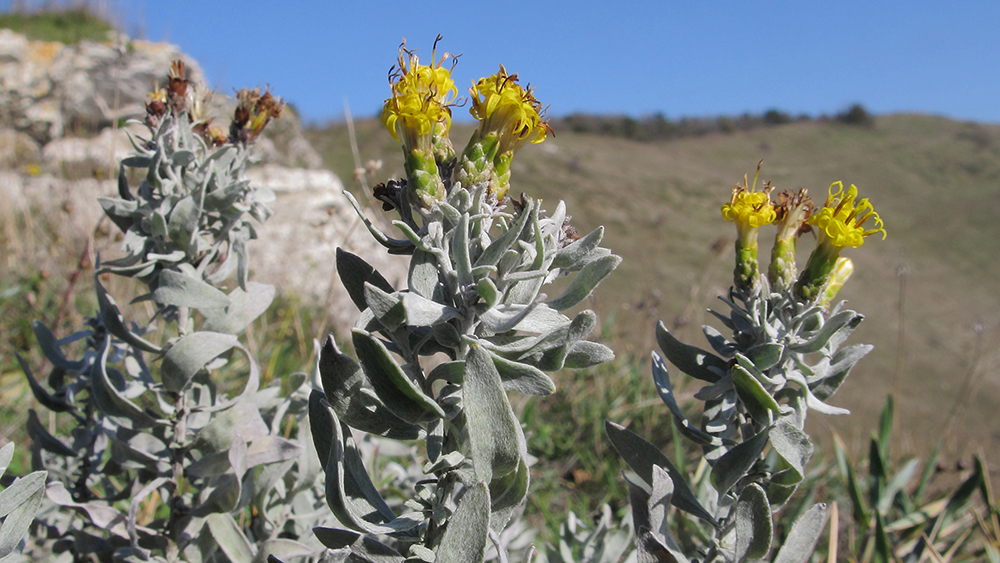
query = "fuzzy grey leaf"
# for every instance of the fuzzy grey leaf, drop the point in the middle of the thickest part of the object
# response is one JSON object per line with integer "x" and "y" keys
{"x": 585, "y": 282}
{"x": 396, "y": 390}
{"x": 491, "y": 256}
{"x": 242, "y": 419}
{"x": 183, "y": 222}
{"x": 423, "y": 278}
{"x": 840, "y": 367}
{"x": 20, "y": 508}
{"x": 421, "y": 311}
{"x": 765, "y": 356}
{"x": 190, "y": 355}
{"x": 40, "y": 393}
{"x": 758, "y": 402}
{"x": 799, "y": 544}
{"x": 364, "y": 549}
{"x": 465, "y": 537}
{"x": 21, "y": 491}
{"x": 835, "y": 330}
{"x": 507, "y": 494}
{"x": 282, "y": 549}
{"x": 354, "y": 402}
{"x": 793, "y": 445}
{"x": 691, "y": 360}
{"x": 719, "y": 343}
{"x": 641, "y": 456}
{"x": 122, "y": 213}
{"x": 661, "y": 378}
{"x": 228, "y": 534}
{"x": 50, "y": 348}
{"x": 585, "y": 354}
{"x": 41, "y": 436}
{"x": 387, "y": 307}
{"x": 115, "y": 322}
{"x": 522, "y": 377}
{"x": 754, "y": 529}
{"x": 6, "y": 455}
{"x": 732, "y": 466}
{"x": 355, "y": 273}
{"x": 572, "y": 256}
{"x": 244, "y": 307}
{"x": 496, "y": 441}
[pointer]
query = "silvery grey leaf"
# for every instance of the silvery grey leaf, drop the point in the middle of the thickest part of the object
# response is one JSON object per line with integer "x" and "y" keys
{"x": 183, "y": 222}
{"x": 576, "y": 254}
{"x": 115, "y": 322}
{"x": 244, "y": 307}
{"x": 22, "y": 513}
{"x": 765, "y": 356}
{"x": 465, "y": 537}
{"x": 40, "y": 393}
{"x": 840, "y": 367}
{"x": 801, "y": 541}
{"x": 176, "y": 288}
{"x": 719, "y": 343}
{"x": 242, "y": 419}
{"x": 366, "y": 549}
{"x": 355, "y": 273}
{"x": 507, "y": 493}
{"x": 190, "y": 355}
{"x": 281, "y": 548}
{"x": 758, "y": 402}
{"x": 423, "y": 278}
{"x": 661, "y": 378}
{"x": 421, "y": 311}
{"x": 691, "y": 360}
{"x": 585, "y": 354}
{"x": 754, "y": 529}
{"x": 358, "y": 406}
{"x": 391, "y": 384}
{"x": 500, "y": 245}
{"x": 495, "y": 438}
{"x": 835, "y": 330}
{"x": 585, "y": 281}
{"x": 792, "y": 445}
{"x": 41, "y": 436}
{"x": 100, "y": 515}
{"x": 387, "y": 307}
{"x": 641, "y": 456}
{"x": 522, "y": 378}
{"x": 732, "y": 466}
{"x": 228, "y": 534}
{"x": 122, "y": 213}
{"x": 114, "y": 401}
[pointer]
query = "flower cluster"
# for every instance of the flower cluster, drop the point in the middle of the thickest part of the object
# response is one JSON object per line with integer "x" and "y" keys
{"x": 418, "y": 114}
{"x": 841, "y": 222}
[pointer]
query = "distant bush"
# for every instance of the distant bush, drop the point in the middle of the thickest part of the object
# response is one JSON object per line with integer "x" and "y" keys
{"x": 775, "y": 117}
{"x": 856, "y": 115}
{"x": 53, "y": 24}
{"x": 657, "y": 127}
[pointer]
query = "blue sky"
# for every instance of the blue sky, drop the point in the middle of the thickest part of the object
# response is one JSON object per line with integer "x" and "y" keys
{"x": 681, "y": 58}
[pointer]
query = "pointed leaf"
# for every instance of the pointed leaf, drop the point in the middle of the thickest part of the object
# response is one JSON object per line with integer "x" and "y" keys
{"x": 190, "y": 355}
{"x": 176, "y": 288}
{"x": 691, "y": 360}
{"x": 801, "y": 541}
{"x": 641, "y": 456}
{"x": 355, "y": 273}
{"x": 585, "y": 282}
{"x": 754, "y": 528}
{"x": 495, "y": 437}
{"x": 396, "y": 390}
{"x": 355, "y": 403}
{"x": 732, "y": 466}
{"x": 465, "y": 537}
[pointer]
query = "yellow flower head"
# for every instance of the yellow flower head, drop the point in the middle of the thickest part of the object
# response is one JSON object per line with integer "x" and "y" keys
{"x": 506, "y": 108}
{"x": 748, "y": 208}
{"x": 422, "y": 95}
{"x": 841, "y": 221}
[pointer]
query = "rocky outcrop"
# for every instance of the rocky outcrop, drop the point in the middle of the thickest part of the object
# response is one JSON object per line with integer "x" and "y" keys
{"x": 59, "y": 149}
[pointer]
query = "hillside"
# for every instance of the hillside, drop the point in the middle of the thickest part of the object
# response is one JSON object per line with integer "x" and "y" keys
{"x": 935, "y": 182}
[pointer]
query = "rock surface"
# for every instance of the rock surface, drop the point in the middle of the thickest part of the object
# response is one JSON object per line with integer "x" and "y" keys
{"x": 49, "y": 91}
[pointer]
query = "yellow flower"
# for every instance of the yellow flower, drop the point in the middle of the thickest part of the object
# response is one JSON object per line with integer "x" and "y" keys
{"x": 841, "y": 222}
{"x": 504, "y": 107}
{"x": 749, "y": 209}
{"x": 422, "y": 96}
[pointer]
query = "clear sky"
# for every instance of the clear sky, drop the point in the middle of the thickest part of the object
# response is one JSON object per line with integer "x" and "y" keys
{"x": 681, "y": 58}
